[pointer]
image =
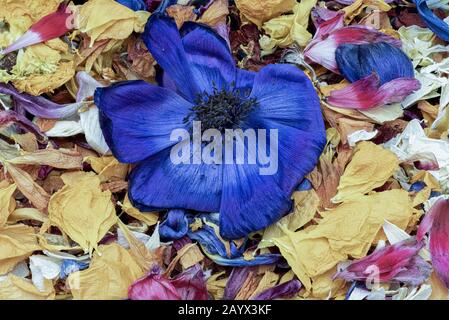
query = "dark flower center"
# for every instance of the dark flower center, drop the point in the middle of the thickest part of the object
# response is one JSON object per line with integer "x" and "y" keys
{"x": 222, "y": 109}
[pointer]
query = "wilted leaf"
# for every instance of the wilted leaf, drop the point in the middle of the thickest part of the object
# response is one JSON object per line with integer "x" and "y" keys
{"x": 61, "y": 159}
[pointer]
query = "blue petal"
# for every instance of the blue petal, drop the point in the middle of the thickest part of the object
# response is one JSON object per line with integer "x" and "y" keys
{"x": 438, "y": 26}
{"x": 69, "y": 266}
{"x": 305, "y": 185}
{"x": 209, "y": 55}
{"x": 136, "y": 5}
{"x": 289, "y": 104}
{"x": 157, "y": 183}
{"x": 244, "y": 80}
{"x": 137, "y": 118}
{"x": 209, "y": 240}
{"x": 175, "y": 225}
{"x": 417, "y": 186}
{"x": 250, "y": 201}
{"x": 263, "y": 259}
{"x": 164, "y": 42}
{"x": 356, "y": 62}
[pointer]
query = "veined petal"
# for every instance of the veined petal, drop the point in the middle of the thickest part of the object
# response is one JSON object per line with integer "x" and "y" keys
{"x": 164, "y": 42}
{"x": 244, "y": 80}
{"x": 250, "y": 201}
{"x": 385, "y": 264}
{"x": 289, "y": 104}
{"x": 158, "y": 183}
{"x": 49, "y": 27}
{"x": 437, "y": 222}
{"x": 137, "y": 118}
{"x": 323, "y": 51}
{"x": 357, "y": 61}
{"x": 438, "y": 26}
{"x": 209, "y": 56}
{"x": 366, "y": 93}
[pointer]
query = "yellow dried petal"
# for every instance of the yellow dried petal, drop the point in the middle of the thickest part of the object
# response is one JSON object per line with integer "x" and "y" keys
{"x": 82, "y": 210}
{"x": 259, "y": 11}
{"x": 111, "y": 272}
{"x": 347, "y": 230}
{"x": 7, "y": 203}
{"x": 16, "y": 288}
{"x": 370, "y": 167}
{"x": 150, "y": 218}
{"x": 118, "y": 24}
{"x": 108, "y": 167}
{"x": 17, "y": 242}
{"x": 306, "y": 205}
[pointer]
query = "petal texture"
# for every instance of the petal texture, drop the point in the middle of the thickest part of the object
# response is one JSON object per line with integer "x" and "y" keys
{"x": 137, "y": 118}
{"x": 356, "y": 62}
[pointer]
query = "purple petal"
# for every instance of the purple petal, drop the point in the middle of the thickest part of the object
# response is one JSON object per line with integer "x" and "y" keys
{"x": 39, "y": 106}
{"x": 137, "y": 118}
{"x": 235, "y": 282}
{"x": 284, "y": 290}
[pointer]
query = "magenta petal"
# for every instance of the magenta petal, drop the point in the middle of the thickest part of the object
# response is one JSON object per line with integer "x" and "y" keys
{"x": 427, "y": 221}
{"x": 190, "y": 284}
{"x": 153, "y": 287}
{"x": 322, "y": 48}
{"x": 439, "y": 238}
{"x": 49, "y": 27}
{"x": 366, "y": 93}
{"x": 399, "y": 262}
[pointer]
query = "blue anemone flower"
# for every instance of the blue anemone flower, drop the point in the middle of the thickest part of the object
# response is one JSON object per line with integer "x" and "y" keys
{"x": 201, "y": 82}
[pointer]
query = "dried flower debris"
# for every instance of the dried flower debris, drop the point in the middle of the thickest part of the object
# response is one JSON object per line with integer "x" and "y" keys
{"x": 92, "y": 207}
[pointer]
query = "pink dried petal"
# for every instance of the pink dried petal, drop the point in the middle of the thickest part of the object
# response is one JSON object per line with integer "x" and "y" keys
{"x": 154, "y": 286}
{"x": 322, "y": 48}
{"x": 437, "y": 222}
{"x": 366, "y": 93}
{"x": 49, "y": 27}
{"x": 190, "y": 284}
{"x": 399, "y": 262}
